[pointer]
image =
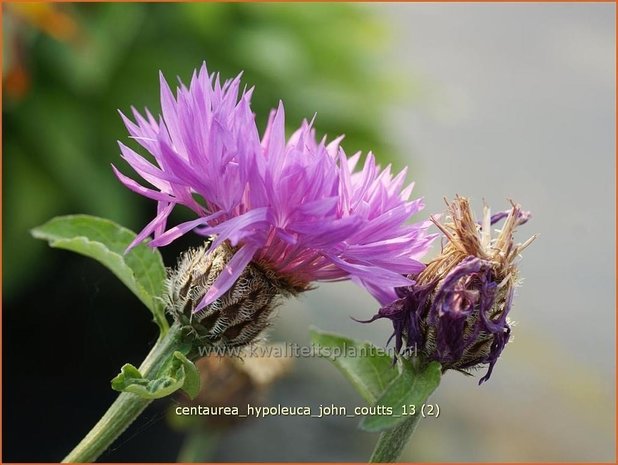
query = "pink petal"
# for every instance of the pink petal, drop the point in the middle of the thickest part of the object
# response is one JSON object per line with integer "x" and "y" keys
{"x": 228, "y": 276}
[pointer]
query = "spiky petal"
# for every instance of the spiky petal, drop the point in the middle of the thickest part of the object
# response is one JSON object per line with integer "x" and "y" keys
{"x": 296, "y": 206}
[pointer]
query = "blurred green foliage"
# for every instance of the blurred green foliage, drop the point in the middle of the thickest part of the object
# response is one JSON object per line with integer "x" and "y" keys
{"x": 68, "y": 68}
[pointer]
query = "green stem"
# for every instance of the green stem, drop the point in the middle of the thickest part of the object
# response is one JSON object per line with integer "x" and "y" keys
{"x": 199, "y": 446}
{"x": 127, "y": 407}
{"x": 391, "y": 442}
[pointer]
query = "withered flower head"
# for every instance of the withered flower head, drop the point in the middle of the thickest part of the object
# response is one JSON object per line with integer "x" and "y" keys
{"x": 457, "y": 310}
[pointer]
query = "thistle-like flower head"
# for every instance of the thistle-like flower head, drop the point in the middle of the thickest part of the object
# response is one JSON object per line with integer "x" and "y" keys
{"x": 295, "y": 207}
{"x": 456, "y": 311}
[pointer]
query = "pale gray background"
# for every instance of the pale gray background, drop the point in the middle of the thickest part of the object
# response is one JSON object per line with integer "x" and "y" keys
{"x": 513, "y": 101}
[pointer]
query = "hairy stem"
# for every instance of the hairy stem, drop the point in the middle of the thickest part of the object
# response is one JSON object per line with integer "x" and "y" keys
{"x": 391, "y": 442}
{"x": 127, "y": 407}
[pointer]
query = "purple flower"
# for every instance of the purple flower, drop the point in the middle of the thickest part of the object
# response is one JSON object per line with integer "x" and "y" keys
{"x": 297, "y": 207}
{"x": 456, "y": 311}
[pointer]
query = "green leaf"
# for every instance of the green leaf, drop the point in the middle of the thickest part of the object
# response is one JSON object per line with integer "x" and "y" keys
{"x": 141, "y": 270}
{"x": 131, "y": 380}
{"x": 411, "y": 388}
{"x": 191, "y": 383}
{"x": 369, "y": 368}
{"x": 180, "y": 373}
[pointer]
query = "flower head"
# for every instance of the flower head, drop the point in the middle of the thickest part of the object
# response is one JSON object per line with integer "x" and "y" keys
{"x": 295, "y": 207}
{"x": 456, "y": 311}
